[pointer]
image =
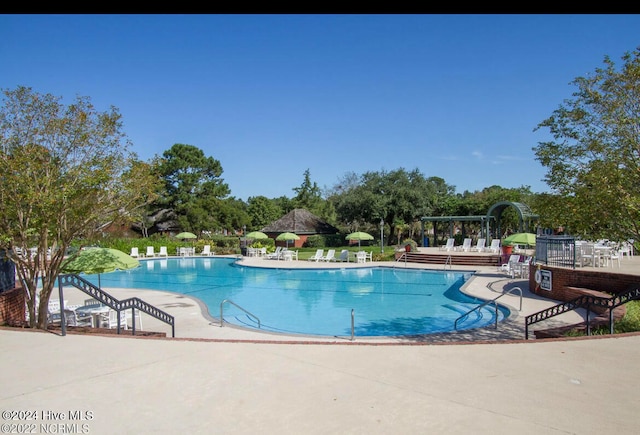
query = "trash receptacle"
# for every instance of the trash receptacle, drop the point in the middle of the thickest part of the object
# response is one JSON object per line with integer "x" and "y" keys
{"x": 425, "y": 242}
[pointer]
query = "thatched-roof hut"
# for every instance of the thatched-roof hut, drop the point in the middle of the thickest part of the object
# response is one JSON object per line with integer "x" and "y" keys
{"x": 301, "y": 222}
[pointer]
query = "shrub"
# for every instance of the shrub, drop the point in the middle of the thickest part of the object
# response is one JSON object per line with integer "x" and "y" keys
{"x": 315, "y": 241}
{"x": 411, "y": 242}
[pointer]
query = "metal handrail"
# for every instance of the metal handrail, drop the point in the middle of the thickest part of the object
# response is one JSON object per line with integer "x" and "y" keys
{"x": 449, "y": 261}
{"x": 485, "y": 303}
{"x": 352, "y": 324}
{"x": 587, "y": 302}
{"x": 237, "y": 306}
{"x": 113, "y": 303}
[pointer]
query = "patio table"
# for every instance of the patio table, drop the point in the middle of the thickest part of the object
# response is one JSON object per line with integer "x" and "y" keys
{"x": 95, "y": 311}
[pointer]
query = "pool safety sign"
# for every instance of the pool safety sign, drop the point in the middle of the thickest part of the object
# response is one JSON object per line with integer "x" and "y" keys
{"x": 543, "y": 279}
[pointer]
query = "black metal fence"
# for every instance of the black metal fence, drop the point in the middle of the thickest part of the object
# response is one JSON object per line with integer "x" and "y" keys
{"x": 556, "y": 250}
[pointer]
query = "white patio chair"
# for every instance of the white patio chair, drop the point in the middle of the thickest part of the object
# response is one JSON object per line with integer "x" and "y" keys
{"x": 317, "y": 256}
{"x": 288, "y": 255}
{"x": 344, "y": 255}
{"x": 275, "y": 255}
{"x": 361, "y": 257}
{"x": 480, "y": 245}
{"x": 331, "y": 256}
{"x": 130, "y": 318}
{"x": 494, "y": 247}
{"x": 134, "y": 253}
{"x": 510, "y": 267}
{"x": 614, "y": 255}
{"x": 112, "y": 320}
{"x": 449, "y": 245}
{"x": 465, "y": 247}
{"x": 150, "y": 252}
{"x": 206, "y": 250}
{"x": 163, "y": 252}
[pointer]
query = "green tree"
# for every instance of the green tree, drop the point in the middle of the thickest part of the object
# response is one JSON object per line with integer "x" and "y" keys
{"x": 308, "y": 195}
{"x": 66, "y": 172}
{"x": 397, "y": 196}
{"x": 231, "y": 214}
{"x": 193, "y": 186}
{"x": 262, "y": 211}
{"x": 594, "y": 157}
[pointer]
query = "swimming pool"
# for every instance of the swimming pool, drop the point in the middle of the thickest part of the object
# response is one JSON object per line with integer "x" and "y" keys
{"x": 384, "y": 301}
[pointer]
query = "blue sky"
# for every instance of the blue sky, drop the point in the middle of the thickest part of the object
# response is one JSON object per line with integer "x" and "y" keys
{"x": 269, "y": 96}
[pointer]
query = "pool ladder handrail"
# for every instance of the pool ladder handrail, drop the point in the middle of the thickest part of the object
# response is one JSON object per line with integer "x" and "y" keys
{"x": 448, "y": 261}
{"x": 239, "y": 307}
{"x": 491, "y": 301}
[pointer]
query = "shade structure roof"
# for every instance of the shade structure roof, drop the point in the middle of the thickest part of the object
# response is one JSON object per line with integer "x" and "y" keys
{"x": 301, "y": 222}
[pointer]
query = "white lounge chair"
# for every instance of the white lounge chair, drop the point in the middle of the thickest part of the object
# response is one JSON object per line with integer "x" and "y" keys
{"x": 465, "y": 247}
{"x": 150, "y": 252}
{"x": 163, "y": 252}
{"x": 494, "y": 247}
{"x": 275, "y": 255}
{"x": 480, "y": 245}
{"x": 317, "y": 256}
{"x": 331, "y": 256}
{"x": 134, "y": 253}
{"x": 206, "y": 250}
{"x": 449, "y": 246}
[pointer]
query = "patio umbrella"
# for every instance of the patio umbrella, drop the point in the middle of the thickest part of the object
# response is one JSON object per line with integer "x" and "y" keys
{"x": 257, "y": 235}
{"x": 359, "y": 235}
{"x": 186, "y": 235}
{"x": 287, "y": 237}
{"x": 99, "y": 260}
{"x": 520, "y": 239}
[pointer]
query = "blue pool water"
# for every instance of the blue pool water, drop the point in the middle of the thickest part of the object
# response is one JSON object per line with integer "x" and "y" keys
{"x": 385, "y": 301}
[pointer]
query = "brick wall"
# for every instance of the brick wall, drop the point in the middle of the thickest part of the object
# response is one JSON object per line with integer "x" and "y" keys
{"x": 12, "y": 307}
{"x": 563, "y": 278}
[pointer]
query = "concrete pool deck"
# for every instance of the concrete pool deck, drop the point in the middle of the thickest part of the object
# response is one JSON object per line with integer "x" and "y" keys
{"x": 230, "y": 381}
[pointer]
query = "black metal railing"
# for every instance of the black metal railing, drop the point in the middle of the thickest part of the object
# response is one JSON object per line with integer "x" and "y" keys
{"x": 556, "y": 251}
{"x": 117, "y": 305}
{"x": 585, "y": 301}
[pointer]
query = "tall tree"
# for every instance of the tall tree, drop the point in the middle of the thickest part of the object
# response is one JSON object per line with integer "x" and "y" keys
{"x": 262, "y": 211}
{"x": 193, "y": 186}
{"x": 398, "y": 196}
{"x": 594, "y": 157}
{"x": 308, "y": 195}
{"x": 66, "y": 171}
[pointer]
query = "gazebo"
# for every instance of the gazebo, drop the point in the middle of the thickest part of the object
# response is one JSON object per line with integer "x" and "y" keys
{"x": 301, "y": 222}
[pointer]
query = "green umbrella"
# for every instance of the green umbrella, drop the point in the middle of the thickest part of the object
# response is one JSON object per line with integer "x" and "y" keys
{"x": 359, "y": 235}
{"x": 186, "y": 235}
{"x": 257, "y": 235}
{"x": 287, "y": 237}
{"x": 99, "y": 260}
{"x": 520, "y": 239}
